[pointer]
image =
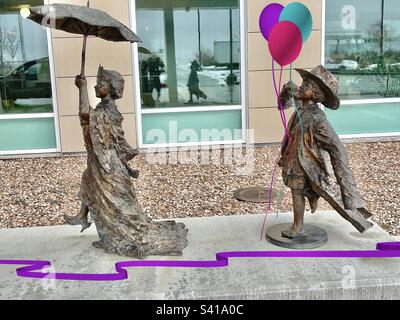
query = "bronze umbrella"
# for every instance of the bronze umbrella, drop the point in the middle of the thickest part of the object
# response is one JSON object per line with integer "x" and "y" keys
{"x": 82, "y": 20}
{"x": 144, "y": 50}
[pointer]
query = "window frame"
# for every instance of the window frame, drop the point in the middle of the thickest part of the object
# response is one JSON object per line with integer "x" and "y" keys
{"x": 244, "y": 90}
{"x": 54, "y": 114}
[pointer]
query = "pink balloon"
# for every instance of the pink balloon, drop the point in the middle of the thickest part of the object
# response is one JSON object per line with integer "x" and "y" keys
{"x": 285, "y": 42}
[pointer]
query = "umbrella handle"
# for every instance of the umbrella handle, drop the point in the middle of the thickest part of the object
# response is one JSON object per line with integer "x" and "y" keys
{"x": 84, "y": 52}
{"x": 83, "y": 56}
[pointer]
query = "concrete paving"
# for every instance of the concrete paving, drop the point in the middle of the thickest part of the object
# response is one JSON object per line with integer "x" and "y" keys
{"x": 243, "y": 279}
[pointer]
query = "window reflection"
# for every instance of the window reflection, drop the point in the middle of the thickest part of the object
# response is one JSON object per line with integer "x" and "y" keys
{"x": 363, "y": 47}
{"x": 190, "y": 56}
{"x": 25, "y": 82}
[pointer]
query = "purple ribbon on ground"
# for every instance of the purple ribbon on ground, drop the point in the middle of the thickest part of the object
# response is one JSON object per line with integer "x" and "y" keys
{"x": 32, "y": 268}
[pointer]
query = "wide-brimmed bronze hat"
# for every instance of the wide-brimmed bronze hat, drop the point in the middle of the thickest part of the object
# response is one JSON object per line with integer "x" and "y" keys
{"x": 327, "y": 83}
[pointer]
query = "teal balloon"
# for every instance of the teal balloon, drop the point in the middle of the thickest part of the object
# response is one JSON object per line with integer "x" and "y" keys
{"x": 298, "y": 14}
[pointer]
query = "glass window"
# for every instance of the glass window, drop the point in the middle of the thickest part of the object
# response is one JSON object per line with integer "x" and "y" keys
{"x": 25, "y": 83}
{"x": 362, "y": 49}
{"x": 182, "y": 127}
{"x": 27, "y": 134}
{"x": 190, "y": 54}
{"x": 365, "y": 118}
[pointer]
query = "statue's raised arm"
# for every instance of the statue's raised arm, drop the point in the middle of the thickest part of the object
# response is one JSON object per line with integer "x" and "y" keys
{"x": 84, "y": 105}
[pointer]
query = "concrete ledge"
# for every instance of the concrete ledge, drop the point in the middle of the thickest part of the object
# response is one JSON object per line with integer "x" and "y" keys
{"x": 243, "y": 279}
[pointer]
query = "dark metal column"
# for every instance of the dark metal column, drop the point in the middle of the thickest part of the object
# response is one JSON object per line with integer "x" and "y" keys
{"x": 199, "y": 31}
{"x": 171, "y": 59}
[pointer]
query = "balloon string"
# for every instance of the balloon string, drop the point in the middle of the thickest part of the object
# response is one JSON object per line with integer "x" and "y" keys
{"x": 287, "y": 137}
{"x": 282, "y": 190}
{"x": 297, "y": 108}
{"x": 283, "y": 118}
{"x": 281, "y": 109}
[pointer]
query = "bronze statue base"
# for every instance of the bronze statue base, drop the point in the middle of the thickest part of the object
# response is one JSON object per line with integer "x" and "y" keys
{"x": 312, "y": 237}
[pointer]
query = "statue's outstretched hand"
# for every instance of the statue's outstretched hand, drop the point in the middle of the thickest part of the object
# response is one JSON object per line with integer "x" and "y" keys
{"x": 80, "y": 81}
{"x": 290, "y": 90}
{"x": 132, "y": 172}
{"x": 135, "y": 152}
{"x": 131, "y": 153}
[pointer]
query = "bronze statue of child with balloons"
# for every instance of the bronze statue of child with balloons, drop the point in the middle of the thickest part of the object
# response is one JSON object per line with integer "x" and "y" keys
{"x": 309, "y": 137}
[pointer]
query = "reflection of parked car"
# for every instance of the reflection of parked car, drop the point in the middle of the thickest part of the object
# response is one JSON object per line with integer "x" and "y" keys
{"x": 342, "y": 65}
{"x": 371, "y": 67}
{"x": 29, "y": 80}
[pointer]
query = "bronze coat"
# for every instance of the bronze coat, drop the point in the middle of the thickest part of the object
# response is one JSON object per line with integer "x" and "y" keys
{"x": 302, "y": 160}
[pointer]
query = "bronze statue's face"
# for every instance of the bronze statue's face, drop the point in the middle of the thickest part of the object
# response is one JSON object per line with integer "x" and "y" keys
{"x": 102, "y": 89}
{"x": 310, "y": 90}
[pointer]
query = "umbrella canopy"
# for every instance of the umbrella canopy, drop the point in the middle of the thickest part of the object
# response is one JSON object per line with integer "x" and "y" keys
{"x": 144, "y": 50}
{"x": 82, "y": 20}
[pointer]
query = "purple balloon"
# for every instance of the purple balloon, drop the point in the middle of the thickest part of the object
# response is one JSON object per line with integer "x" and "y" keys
{"x": 269, "y": 17}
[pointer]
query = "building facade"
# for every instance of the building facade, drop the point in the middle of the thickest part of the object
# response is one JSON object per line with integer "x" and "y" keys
{"x": 201, "y": 75}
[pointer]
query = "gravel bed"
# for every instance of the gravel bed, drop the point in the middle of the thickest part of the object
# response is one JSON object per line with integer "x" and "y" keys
{"x": 38, "y": 191}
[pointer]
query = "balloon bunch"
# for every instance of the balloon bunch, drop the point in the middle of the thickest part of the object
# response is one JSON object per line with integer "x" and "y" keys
{"x": 285, "y": 29}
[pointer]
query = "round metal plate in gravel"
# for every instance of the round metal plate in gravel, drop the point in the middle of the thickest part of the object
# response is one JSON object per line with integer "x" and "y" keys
{"x": 312, "y": 237}
{"x": 254, "y": 195}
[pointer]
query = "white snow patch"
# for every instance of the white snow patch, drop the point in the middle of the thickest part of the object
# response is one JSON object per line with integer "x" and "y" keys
{"x": 33, "y": 101}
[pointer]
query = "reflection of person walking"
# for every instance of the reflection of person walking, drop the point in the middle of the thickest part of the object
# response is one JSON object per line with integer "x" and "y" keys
{"x": 156, "y": 67}
{"x": 146, "y": 87}
{"x": 193, "y": 83}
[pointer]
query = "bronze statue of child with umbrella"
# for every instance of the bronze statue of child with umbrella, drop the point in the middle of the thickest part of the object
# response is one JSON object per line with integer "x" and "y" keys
{"x": 107, "y": 191}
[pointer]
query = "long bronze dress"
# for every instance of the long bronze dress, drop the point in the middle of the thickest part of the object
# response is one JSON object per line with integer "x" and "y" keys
{"x": 108, "y": 191}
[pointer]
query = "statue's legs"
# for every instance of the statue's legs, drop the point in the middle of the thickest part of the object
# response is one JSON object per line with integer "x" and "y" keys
{"x": 313, "y": 204}
{"x": 299, "y": 206}
{"x": 312, "y": 197}
{"x": 80, "y": 219}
